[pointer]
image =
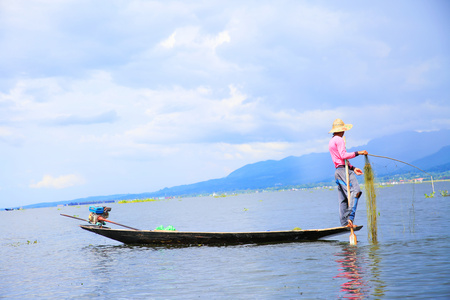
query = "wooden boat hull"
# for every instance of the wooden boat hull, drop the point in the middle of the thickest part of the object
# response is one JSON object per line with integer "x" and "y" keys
{"x": 155, "y": 237}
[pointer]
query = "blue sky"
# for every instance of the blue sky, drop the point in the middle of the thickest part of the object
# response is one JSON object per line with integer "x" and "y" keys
{"x": 107, "y": 97}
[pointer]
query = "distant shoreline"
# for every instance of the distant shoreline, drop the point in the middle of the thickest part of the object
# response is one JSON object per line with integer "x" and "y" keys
{"x": 60, "y": 204}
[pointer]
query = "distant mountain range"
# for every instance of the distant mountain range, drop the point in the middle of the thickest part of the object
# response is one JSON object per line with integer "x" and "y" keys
{"x": 429, "y": 151}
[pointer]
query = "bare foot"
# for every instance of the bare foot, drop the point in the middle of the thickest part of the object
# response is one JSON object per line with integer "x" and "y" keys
{"x": 350, "y": 224}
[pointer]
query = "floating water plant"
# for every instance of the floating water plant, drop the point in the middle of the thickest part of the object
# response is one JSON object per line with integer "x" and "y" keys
{"x": 371, "y": 201}
{"x": 27, "y": 243}
{"x": 444, "y": 193}
{"x": 431, "y": 195}
{"x": 137, "y": 200}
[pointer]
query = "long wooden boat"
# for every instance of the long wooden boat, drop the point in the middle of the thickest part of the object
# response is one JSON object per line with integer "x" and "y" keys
{"x": 157, "y": 237}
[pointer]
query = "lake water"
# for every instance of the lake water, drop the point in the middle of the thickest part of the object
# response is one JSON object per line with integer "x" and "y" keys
{"x": 46, "y": 256}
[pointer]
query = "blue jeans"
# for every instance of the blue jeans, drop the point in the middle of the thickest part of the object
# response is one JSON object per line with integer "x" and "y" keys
{"x": 347, "y": 207}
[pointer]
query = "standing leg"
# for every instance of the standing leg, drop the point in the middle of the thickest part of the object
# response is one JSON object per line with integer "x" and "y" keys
{"x": 347, "y": 207}
{"x": 342, "y": 196}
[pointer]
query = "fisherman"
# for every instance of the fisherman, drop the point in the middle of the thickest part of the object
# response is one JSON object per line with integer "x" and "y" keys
{"x": 347, "y": 207}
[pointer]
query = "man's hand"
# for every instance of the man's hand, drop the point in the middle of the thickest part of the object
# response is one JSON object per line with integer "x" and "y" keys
{"x": 358, "y": 171}
{"x": 364, "y": 152}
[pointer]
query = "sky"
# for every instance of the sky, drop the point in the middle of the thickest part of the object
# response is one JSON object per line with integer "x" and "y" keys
{"x": 114, "y": 97}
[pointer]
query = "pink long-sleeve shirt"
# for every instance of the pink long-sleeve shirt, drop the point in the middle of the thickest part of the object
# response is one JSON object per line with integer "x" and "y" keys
{"x": 338, "y": 152}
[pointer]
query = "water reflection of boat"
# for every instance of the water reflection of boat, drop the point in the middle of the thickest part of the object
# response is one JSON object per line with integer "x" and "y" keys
{"x": 351, "y": 268}
{"x": 157, "y": 237}
{"x": 361, "y": 271}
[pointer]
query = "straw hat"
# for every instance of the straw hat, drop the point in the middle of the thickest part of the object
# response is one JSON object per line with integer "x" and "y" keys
{"x": 339, "y": 125}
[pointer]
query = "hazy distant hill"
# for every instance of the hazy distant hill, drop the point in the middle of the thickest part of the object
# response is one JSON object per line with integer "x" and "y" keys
{"x": 409, "y": 146}
{"x": 429, "y": 151}
{"x": 436, "y": 162}
{"x": 437, "y": 159}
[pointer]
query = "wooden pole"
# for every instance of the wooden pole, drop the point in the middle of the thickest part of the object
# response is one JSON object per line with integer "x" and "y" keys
{"x": 76, "y": 218}
{"x": 100, "y": 219}
{"x": 353, "y": 240}
{"x": 347, "y": 176}
{"x": 104, "y": 220}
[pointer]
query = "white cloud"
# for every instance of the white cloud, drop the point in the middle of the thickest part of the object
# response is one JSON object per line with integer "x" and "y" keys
{"x": 128, "y": 118}
{"x": 419, "y": 75}
{"x": 221, "y": 38}
{"x": 61, "y": 182}
{"x": 192, "y": 37}
{"x": 11, "y": 136}
{"x": 169, "y": 42}
{"x": 66, "y": 120}
{"x": 194, "y": 116}
{"x": 5, "y": 132}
